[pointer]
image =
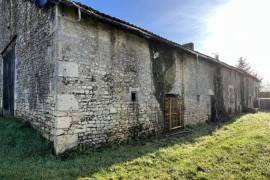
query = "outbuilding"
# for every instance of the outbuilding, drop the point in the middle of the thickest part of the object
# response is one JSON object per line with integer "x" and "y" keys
{"x": 84, "y": 78}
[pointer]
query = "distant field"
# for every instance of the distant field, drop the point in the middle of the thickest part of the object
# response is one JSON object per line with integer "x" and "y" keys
{"x": 239, "y": 149}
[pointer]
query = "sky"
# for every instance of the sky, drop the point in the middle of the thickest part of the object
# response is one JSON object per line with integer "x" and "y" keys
{"x": 230, "y": 28}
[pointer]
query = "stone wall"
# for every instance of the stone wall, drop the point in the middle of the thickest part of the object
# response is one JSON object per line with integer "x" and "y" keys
{"x": 240, "y": 91}
{"x": 232, "y": 90}
{"x": 99, "y": 66}
{"x": 34, "y": 65}
{"x": 264, "y": 94}
{"x": 253, "y": 92}
{"x": 199, "y": 86}
{"x": 264, "y": 104}
{"x": 81, "y": 81}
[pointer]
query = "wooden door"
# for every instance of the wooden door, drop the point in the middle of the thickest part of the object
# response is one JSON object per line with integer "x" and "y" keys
{"x": 8, "y": 82}
{"x": 173, "y": 112}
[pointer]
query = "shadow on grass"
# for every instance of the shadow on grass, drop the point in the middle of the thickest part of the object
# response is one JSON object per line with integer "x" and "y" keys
{"x": 24, "y": 153}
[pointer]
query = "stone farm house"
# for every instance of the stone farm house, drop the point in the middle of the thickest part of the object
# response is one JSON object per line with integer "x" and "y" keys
{"x": 81, "y": 77}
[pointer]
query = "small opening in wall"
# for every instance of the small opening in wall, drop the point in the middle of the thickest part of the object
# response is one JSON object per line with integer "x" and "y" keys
{"x": 134, "y": 96}
{"x": 198, "y": 98}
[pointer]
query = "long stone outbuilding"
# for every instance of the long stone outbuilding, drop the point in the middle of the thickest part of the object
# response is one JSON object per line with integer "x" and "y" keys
{"x": 81, "y": 77}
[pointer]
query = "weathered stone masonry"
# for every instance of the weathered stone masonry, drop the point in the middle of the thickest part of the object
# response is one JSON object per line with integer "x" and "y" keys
{"x": 97, "y": 72}
{"x": 84, "y": 78}
{"x": 34, "y": 96}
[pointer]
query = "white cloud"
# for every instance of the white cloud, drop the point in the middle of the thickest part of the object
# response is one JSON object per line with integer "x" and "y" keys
{"x": 241, "y": 28}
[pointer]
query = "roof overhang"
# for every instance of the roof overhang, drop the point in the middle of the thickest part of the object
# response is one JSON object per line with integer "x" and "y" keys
{"x": 144, "y": 33}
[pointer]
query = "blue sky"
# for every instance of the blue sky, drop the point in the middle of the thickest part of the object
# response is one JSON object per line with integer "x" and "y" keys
{"x": 178, "y": 20}
{"x": 230, "y": 28}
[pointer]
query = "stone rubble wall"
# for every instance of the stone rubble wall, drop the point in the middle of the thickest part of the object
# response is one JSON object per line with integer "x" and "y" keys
{"x": 264, "y": 94}
{"x": 240, "y": 91}
{"x": 232, "y": 90}
{"x": 75, "y": 79}
{"x": 100, "y": 65}
{"x": 252, "y": 92}
{"x": 34, "y": 65}
{"x": 199, "y": 86}
{"x": 98, "y": 68}
{"x": 264, "y": 104}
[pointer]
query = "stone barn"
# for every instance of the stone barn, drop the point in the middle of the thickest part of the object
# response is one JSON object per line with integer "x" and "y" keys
{"x": 81, "y": 77}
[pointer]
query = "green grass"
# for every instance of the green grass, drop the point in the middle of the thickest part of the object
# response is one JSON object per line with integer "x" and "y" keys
{"x": 239, "y": 149}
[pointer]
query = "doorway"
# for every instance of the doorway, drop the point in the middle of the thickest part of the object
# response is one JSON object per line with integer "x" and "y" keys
{"x": 8, "y": 81}
{"x": 213, "y": 117}
{"x": 173, "y": 112}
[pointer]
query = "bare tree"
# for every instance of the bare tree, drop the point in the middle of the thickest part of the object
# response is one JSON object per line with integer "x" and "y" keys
{"x": 243, "y": 65}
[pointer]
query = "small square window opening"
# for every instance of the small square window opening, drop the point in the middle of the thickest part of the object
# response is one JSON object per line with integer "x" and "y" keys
{"x": 134, "y": 96}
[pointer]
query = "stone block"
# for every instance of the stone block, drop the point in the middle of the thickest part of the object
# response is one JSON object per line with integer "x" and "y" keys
{"x": 68, "y": 69}
{"x": 64, "y": 143}
{"x": 63, "y": 122}
{"x": 67, "y": 102}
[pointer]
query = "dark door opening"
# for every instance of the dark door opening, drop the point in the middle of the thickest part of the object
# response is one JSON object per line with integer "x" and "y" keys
{"x": 235, "y": 101}
{"x": 8, "y": 81}
{"x": 173, "y": 112}
{"x": 213, "y": 109}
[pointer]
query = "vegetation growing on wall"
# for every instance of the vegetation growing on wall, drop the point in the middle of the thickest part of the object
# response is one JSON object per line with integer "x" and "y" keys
{"x": 164, "y": 70}
{"x": 218, "y": 98}
{"x": 242, "y": 92}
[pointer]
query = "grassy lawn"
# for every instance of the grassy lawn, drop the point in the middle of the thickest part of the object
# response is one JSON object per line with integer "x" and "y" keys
{"x": 239, "y": 149}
